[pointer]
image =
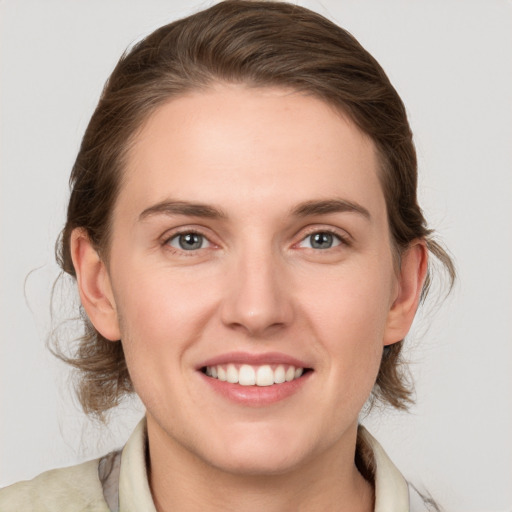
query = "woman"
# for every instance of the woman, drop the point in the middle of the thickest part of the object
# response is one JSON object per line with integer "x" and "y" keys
{"x": 250, "y": 254}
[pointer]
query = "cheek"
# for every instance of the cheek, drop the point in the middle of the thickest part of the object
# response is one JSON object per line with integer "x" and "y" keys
{"x": 159, "y": 321}
{"x": 349, "y": 314}
{"x": 161, "y": 313}
{"x": 353, "y": 302}
{"x": 153, "y": 297}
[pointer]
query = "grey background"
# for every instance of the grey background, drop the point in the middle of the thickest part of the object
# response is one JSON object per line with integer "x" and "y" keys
{"x": 452, "y": 63}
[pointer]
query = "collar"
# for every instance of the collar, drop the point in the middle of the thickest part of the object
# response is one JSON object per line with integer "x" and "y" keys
{"x": 134, "y": 492}
{"x": 391, "y": 490}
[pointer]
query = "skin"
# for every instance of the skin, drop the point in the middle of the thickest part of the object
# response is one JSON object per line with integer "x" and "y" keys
{"x": 255, "y": 285}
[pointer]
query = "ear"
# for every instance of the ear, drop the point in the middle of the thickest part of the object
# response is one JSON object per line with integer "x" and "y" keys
{"x": 412, "y": 273}
{"x": 94, "y": 285}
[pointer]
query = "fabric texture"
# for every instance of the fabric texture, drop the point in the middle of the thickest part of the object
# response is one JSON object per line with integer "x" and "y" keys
{"x": 118, "y": 482}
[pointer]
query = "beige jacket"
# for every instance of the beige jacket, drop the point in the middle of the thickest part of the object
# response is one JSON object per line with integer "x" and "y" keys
{"x": 84, "y": 487}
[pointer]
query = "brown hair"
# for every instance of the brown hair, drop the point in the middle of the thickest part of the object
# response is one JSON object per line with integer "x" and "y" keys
{"x": 260, "y": 44}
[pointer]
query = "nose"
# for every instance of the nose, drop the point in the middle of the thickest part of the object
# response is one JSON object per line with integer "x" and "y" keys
{"x": 257, "y": 299}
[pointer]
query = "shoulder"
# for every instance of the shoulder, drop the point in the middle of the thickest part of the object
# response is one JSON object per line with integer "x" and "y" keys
{"x": 73, "y": 489}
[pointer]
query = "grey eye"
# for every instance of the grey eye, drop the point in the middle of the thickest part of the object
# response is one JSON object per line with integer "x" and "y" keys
{"x": 189, "y": 241}
{"x": 321, "y": 240}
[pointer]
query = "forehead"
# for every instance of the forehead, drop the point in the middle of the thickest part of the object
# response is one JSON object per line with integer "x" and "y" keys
{"x": 234, "y": 143}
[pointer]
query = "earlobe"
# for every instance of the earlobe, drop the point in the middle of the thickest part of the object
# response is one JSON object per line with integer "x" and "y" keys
{"x": 94, "y": 285}
{"x": 413, "y": 270}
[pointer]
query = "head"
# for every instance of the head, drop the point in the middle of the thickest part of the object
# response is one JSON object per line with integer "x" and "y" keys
{"x": 256, "y": 46}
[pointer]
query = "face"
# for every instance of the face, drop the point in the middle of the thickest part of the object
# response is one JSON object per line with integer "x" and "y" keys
{"x": 250, "y": 243}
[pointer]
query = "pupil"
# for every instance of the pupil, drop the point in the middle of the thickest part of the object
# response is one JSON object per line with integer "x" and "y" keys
{"x": 190, "y": 241}
{"x": 322, "y": 241}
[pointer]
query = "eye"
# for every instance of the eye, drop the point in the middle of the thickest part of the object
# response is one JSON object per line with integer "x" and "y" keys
{"x": 321, "y": 240}
{"x": 189, "y": 241}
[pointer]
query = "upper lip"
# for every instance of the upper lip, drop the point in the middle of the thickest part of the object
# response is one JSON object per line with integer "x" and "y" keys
{"x": 254, "y": 359}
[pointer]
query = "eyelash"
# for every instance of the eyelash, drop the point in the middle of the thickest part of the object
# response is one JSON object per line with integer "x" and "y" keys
{"x": 342, "y": 239}
{"x": 168, "y": 239}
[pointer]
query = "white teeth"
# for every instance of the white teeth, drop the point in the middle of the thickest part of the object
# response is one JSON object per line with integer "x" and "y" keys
{"x": 232, "y": 374}
{"x": 279, "y": 375}
{"x": 221, "y": 373}
{"x": 247, "y": 375}
{"x": 264, "y": 376}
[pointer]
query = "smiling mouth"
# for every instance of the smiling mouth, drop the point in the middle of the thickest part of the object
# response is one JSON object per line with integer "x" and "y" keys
{"x": 249, "y": 375}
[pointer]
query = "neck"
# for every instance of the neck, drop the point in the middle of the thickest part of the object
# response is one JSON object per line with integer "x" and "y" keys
{"x": 182, "y": 482}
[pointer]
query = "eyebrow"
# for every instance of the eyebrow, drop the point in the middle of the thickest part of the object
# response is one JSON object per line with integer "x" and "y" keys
{"x": 326, "y": 206}
{"x": 306, "y": 209}
{"x": 170, "y": 207}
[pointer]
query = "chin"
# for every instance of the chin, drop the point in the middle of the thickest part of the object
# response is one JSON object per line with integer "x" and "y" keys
{"x": 258, "y": 464}
{"x": 259, "y": 455}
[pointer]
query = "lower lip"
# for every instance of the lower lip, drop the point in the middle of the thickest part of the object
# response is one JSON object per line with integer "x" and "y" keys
{"x": 256, "y": 396}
